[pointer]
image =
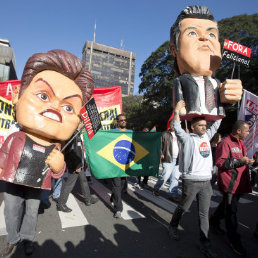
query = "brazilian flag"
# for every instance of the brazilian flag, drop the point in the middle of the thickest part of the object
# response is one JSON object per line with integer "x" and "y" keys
{"x": 123, "y": 153}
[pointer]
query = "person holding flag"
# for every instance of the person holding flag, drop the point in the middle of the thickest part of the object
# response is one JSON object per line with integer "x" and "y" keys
{"x": 119, "y": 183}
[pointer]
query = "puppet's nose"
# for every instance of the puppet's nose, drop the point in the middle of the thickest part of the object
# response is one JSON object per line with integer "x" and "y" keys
{"x": 203, "y": 37}
{"x": 55, "y": 104}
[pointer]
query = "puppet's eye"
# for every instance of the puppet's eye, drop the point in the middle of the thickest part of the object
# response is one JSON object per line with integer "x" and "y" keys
{"x": 212, "y": 35}
{"x": 192, "y": 34}
{"x": 68, "y": 108}
{"x": 43, "y": 96}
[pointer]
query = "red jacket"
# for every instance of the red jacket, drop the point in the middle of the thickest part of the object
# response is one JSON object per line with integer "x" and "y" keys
{"x": 10, "y": 155}
{"x": 233, "y": 175}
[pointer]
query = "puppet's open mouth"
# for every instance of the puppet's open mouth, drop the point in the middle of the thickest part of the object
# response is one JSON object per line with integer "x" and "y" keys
{"x": 52, "y": 114}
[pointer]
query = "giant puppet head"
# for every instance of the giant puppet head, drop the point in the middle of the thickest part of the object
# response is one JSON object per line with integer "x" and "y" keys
{"x": 54, "y": 86}
{"x": 194, "y": 42}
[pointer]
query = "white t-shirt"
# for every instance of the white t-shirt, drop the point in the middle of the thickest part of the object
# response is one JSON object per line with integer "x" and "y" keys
{"x": 175, "y": 145}
{"x": 202, "y": 157}
{"x": 200, "y": 81}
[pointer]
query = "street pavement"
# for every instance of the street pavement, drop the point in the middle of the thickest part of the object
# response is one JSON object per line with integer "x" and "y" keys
{"x": 91, "y": 231}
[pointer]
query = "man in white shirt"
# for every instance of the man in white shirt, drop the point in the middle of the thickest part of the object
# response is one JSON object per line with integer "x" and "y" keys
{"x": 195, "y": 164}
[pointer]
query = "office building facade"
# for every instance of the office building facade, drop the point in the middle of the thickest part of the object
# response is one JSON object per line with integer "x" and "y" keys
{"x": 7, "y": 61}
{"x": 110, "y": 66}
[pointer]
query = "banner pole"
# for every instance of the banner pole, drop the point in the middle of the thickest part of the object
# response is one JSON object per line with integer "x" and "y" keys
{"x": 232, "y": 74}
{"x": 72, "y": 139}
{"x": 238, "y": 76}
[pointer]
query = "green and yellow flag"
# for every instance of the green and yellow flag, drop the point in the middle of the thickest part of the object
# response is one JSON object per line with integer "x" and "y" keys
{"x": 123, "y": 153}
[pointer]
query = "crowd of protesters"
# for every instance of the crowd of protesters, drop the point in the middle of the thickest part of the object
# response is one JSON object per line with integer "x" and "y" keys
{"x": 195, "y": 164}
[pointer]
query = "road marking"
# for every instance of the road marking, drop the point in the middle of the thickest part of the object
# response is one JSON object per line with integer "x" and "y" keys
{"x": 104, "y": 193}
{"x": 75, "y": 218}
{"x": 158, "y": 200}
{"x": 242, "y": 200}
{"x": 2, "y": 221}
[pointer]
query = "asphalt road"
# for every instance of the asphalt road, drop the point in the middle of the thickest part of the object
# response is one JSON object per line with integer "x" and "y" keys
{"x": 142, "y": 232}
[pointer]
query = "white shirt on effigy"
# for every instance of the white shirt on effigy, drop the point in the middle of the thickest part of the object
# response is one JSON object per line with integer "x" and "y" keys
{"x": 200, "y": 82}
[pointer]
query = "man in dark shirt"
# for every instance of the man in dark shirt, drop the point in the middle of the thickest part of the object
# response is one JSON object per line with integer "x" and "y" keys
{"x": 74, "y": 157}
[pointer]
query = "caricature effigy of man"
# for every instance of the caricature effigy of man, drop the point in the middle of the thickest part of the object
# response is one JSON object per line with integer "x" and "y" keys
{"x": 194, "y": 42}
{"x": 54, "y": 86}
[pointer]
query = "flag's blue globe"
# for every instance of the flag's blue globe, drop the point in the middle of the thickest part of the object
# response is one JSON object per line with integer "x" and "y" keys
{"x": 124, "y": 152}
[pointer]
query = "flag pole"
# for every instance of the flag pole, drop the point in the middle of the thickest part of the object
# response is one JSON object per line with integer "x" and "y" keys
{"x": 91, "y": 47}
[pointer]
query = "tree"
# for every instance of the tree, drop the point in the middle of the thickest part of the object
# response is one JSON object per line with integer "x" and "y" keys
{"x": 157, "y": 72}
{"x": 132, "y": 109}
{"x": 157, "y": 80}
{"x": 241, "y": 29}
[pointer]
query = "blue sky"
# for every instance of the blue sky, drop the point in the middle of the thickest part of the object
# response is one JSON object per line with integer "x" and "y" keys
{"x": 40, "y": 25}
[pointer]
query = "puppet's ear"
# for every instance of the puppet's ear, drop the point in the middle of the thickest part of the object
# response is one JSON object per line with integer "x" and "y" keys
{"x": 16, "y": 92}
{"x": 173, "y": 49}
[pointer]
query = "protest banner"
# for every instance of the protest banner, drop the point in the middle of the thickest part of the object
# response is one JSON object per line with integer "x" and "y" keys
{"x": 123, "y": 153}
{"x": 249, "y": 113}
{"x": 6, "y": 118}
{"x": 109, "y": 103}
{"x": 7, "y": 88}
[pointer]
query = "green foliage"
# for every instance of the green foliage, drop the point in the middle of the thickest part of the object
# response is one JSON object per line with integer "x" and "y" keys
{"x": 241, "y": 29}
{"x": 157, "y": 80}
{"x": 156, "y": 75}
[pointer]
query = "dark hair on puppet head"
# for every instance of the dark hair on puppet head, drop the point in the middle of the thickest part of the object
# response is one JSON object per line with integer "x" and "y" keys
{"x": 62, "y": 62}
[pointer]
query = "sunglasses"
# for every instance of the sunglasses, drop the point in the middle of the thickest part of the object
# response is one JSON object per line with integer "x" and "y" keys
{"x": 122, "y": 120}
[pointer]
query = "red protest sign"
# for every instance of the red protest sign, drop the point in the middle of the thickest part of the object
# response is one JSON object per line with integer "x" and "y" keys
{"x": 238, "y": 48}
{"x": 236, "y": 52}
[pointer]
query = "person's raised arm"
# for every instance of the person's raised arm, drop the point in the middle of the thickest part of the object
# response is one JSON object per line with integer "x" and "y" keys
{"x": 180, "y": 133}
{"x": 180, "y": 104}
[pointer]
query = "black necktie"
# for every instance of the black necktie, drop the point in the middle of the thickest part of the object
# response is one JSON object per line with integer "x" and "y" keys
{"x": 209, "y": 94}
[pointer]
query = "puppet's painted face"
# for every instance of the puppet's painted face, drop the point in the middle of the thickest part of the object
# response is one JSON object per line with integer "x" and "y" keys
{"x": 50, "y": 106}
{"x": 198, "y": 47}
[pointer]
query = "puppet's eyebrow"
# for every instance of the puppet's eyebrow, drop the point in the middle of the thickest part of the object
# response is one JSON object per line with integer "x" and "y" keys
{"x": 41, "y": 79}
{"x": 211, "y": 28}
{"x": 44, "y": 81}
{"x": 72, "y": 96}
{"x": 190, "y": 28}
{"x": 195, "y": 28}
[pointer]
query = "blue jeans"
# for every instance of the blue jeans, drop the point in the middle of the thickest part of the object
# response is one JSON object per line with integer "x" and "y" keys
{"x": 170, "y": 171}
{"x": 57, "y": 188}
{"x": 21, "y": 199}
